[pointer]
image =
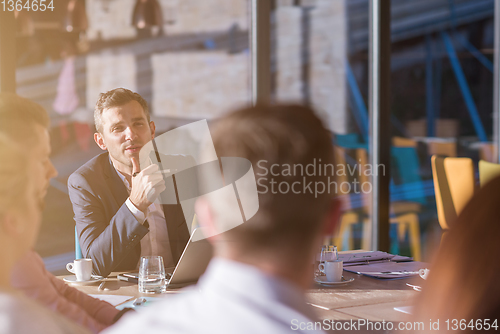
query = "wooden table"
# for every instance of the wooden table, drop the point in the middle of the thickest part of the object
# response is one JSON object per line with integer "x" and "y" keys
{"x": 113, "y": 286}
{"x": 364, "y": 298}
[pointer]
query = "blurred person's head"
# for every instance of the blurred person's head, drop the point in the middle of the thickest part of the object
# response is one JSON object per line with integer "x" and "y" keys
{"x": 20, "y": 205}
{"x": 123, "y": 126}
{"x": 26, "y": 123}
{"x": 284, "y": 234}
{"x": 463, "y": 282}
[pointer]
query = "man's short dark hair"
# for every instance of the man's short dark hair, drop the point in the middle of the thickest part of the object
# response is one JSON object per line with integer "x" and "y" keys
{"x": 115, "y": 98}
{"x": 281, "y": 135}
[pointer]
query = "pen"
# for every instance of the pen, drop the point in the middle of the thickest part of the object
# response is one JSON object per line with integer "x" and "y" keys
{"x": 387, "y": 273}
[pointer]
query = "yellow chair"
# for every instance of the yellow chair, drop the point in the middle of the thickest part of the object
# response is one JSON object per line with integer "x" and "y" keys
{"x": 349, "y": 216}
{"x": 403, "y": 142}
{"x": 454, "y": 185}
{"x": 487, "y": 171}
{"x": 406, "y": 221}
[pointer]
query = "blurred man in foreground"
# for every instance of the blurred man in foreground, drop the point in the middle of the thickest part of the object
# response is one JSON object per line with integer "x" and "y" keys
{"x": 25, "y": 123}
{"x": 22, "y": 188}
{"x": 261, "y": 269}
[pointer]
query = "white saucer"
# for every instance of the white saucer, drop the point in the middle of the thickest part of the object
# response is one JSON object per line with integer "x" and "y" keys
{"x": 92, "y": 280}
{"x": 322, "y": 280}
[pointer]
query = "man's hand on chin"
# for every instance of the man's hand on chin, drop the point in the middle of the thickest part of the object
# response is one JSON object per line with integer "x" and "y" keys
{"x": 146, "y": 185}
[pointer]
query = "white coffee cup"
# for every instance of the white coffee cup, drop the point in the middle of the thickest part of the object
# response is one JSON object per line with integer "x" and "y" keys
{"x": 332, "y": 270}
{"x": 82, "y": 268}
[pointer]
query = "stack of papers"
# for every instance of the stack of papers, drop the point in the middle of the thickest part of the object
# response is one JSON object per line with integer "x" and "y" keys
{"x": 354, "y": 259}
{"x": 388, "y": 269}
{"x": 381, "y": 264}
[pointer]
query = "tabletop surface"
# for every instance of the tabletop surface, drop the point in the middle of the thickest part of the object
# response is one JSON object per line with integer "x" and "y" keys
{"x": 364, "y": 298}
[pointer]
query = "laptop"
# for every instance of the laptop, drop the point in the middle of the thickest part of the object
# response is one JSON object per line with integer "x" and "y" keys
{"x": 192, "y": 263}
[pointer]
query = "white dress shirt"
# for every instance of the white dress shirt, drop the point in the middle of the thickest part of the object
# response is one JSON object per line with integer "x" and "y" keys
{"x": 156, "y": 241}
{"x": 231, "y": 297}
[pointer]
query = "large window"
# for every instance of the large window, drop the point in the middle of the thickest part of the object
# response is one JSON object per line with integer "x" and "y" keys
{"x": 191, "y": 60}
{"x": 442, "y": 96}
{"x": 188, "y": 58}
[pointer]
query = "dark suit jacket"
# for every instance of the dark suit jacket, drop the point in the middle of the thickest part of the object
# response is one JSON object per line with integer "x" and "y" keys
{"x": 108, "y": 232}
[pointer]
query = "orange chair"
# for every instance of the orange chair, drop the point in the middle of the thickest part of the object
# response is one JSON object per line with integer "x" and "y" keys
{"x": 454, "y": 185}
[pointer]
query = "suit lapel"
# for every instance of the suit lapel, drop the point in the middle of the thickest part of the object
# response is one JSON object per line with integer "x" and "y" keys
{"x": 120, "y": 193}
{"x": 115, "y": 183}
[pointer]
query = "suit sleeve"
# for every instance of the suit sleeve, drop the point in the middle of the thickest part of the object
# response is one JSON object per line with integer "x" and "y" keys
{"x": 106, "y": 242}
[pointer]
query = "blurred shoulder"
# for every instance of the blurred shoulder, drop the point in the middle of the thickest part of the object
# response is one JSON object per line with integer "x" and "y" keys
{"x": 21, "y": 315}
{"x": 176, "y": 314}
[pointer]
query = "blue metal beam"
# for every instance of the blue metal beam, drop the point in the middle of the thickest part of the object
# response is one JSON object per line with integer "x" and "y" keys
{"x": 471, "y": 48}
{"x": 429, "y": 104}
{"x": 464, "y": 87}
{"x": 437, "y": 82}
{"x": 474, "y": 51}
{"x": 360, "y": 112}
{"x": 359, "y": 107}
{"x": 355, "y": 111}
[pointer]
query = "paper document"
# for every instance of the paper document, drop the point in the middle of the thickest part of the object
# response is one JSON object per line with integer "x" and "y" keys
{"x": 113, "y": 299}
{"x": 388, "y": 269}
{"x": 353, "y": 259}
{"x": 404, "y": 309}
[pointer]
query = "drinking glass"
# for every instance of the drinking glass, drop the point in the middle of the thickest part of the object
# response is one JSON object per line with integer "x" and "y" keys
{"x": 151, "y": 275}
{"x": 328, "y": 253}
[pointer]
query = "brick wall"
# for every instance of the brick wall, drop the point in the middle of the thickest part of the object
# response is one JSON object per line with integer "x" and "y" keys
{"x": 199, "y": 85}
{"x": 326, "y": 60}
{"x": 203, "y": 84}
{"x": 112, "y": 18}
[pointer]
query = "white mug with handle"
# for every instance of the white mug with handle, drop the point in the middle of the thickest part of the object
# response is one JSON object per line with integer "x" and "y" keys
{"x": 332, "y": 270}
{"x": 82, "y": 268}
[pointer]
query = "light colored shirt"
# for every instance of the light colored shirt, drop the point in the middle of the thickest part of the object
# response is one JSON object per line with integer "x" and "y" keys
{"x": 30, "y": 276}
{"x": 231, "y": 297}
{"x": 19, "y": 315}
{"x": 156, "y": 241}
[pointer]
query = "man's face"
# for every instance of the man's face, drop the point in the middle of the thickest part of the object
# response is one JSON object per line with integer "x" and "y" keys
{"x": 41, "y": 171}
{"x": 125, "y": 130}
{"x": 43, "y": 168}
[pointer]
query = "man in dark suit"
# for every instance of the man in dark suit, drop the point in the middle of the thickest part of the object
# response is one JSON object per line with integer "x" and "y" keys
{"x": 117, "y": 212}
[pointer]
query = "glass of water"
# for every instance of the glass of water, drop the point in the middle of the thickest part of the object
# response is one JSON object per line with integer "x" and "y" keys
{"x": 328, "y": 253}
{"x": 151, "y": 275}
